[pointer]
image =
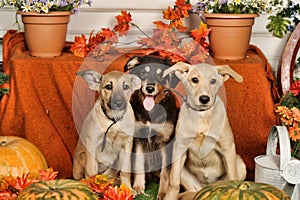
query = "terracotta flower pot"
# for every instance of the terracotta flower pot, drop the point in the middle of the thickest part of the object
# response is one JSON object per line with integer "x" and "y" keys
{"x": 45, "y": 33}
{"x": 230, "y": 34}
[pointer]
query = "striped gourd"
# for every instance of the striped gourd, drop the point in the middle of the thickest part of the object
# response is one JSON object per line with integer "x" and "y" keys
{"x": 240, "y": 190}
{"x": 18, "y": 156}
{"x": 60, "y": 189}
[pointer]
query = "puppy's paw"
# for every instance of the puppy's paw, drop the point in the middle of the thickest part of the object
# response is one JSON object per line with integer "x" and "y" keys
{"x": 140, "y": 189}
{"x": 161, "y": 196}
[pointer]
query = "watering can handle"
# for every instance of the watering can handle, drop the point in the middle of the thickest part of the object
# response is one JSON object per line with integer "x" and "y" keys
{"x": 280, "y": 132}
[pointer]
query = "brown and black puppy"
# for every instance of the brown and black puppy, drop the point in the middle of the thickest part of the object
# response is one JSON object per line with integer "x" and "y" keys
{"x": 155, "y": 111}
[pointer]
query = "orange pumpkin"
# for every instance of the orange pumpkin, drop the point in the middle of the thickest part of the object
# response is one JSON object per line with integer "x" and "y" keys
{"x": 18, "y": 156}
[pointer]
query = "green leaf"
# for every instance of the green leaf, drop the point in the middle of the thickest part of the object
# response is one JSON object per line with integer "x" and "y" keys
{"x": 3, "y": 91}
{"x": 278, "y": 25}
{"x": 3, "y": 78}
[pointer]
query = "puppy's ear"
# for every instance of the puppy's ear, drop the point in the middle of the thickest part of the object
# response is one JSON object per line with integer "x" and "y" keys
{"x": 135, "y": 80}
{"x": 173, "y": 80}
{"x": 168, "y": 62}
{"x": 93, "y": 78}
{"x": 181, "y": 70}
{"x": 227, "y": 72}
{"x": 132, "y": 62}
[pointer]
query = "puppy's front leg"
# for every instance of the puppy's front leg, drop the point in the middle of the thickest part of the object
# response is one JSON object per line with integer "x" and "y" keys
{"x": 175, "y": 173}
{"x": 229, "y": 159}
{"x": 228, "y": 152}
{"x": 164, "y": 175}
{"x": 139, "y": 178}
{"x": 125, "y": 157}
{"x": 91, "y": 167}
{"x": 190, "y": 181}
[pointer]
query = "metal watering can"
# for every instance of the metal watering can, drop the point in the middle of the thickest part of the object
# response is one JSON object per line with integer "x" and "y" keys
{"x": 281, "y": 171}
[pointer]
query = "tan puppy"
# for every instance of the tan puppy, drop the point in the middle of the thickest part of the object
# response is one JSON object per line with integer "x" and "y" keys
{"x": 106, "y": 138}
{"x": 204, "y": 149}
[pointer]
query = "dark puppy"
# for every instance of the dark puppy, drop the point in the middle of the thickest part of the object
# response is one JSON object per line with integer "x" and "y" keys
{"x": 155, "y": 111}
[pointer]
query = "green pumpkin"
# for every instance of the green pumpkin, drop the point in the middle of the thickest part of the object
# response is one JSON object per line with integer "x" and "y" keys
{"x": 61, "y": 189}
{"x": 240, "y": 190}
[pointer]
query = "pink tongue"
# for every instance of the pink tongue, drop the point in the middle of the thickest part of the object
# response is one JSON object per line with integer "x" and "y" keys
{"x": 149, "y": 103}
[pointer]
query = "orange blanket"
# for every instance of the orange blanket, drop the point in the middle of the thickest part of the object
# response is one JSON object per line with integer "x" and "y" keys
{"x": 39, "y": 106}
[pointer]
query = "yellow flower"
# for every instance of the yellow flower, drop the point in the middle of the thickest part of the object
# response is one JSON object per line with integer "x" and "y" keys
{"x": 286, "y": 115}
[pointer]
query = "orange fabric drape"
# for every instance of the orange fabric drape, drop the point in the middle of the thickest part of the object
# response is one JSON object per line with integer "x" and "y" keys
{"x": 42, "y": 102}
{"x": 250, "y": 105}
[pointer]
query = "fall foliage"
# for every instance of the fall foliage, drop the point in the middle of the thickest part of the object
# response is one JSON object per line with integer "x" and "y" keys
{"x": 288, "y": 111}
{"x": 169, "y": 39}
{"x": 105, "y": 188}
{"x": 11, "y": 186}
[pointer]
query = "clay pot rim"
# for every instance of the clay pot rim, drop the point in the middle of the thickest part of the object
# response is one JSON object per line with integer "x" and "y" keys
{"x": 52, "y": 13}
{"x": 232, "y": 16}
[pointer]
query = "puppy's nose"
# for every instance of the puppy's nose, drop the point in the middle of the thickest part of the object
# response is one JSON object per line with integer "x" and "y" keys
{"x": 118, "y": 105}
{"x": 204, "y": 99}
{"x": 150, "y": 89}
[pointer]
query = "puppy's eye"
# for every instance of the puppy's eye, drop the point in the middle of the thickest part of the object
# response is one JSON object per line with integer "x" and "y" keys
{"x": 160, "y": 78}
{"x": 213, "y": 81}
{"x": 125, "y": 87}
{"x": 108, "y": 87}
{"x": 143, "y": 75}
{"x": 195, "y": 80}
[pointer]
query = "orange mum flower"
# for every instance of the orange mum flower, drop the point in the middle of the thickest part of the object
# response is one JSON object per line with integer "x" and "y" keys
{"x": 286, "y": 115}
{"x": 294, "y": 131}
{"x": 121, "y": 193}
{"x": 296, "y": 114}
{"x": 48, "y": 174}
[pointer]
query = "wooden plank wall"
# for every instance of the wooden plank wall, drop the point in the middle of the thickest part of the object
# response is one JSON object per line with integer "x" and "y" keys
{"x": 144, "y": 12}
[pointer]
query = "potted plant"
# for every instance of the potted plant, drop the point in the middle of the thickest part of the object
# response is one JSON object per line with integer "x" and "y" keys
{"x": 289, "y": 115}
{"x": 55, "y": 14}
{"x": 236, "y": 11}
{"x": 284, "y": 19}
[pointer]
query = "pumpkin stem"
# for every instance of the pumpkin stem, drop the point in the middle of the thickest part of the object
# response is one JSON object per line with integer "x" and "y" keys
{"x": 244, "y": 186}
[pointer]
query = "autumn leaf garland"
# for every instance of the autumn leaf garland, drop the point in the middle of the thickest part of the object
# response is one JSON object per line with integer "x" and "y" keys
{"x": 175, "y": 16}
{"x": 104, "y": 39}
{"x": 165, "y": 41}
